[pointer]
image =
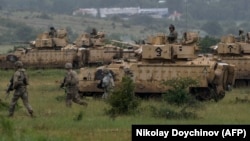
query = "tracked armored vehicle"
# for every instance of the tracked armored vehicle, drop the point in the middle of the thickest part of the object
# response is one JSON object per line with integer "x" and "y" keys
{"x": 44, "y": 52}
{"x": 161, "y": 61}
{"x": 97, "y": 51}
{"x": 54, "y": 52}
{"x": 230, "y": 50}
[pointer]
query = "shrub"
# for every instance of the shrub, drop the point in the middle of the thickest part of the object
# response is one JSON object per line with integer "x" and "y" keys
{"x": 122, "y": 100}
{"x": 178, "y": 95}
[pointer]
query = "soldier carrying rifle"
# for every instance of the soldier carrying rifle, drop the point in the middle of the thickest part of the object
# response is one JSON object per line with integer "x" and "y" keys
{"x": 71, "y": 83}
{"x": 19, "y": 82}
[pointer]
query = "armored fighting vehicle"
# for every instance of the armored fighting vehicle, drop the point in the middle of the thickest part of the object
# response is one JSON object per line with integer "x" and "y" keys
{"x": 97, "y": 50}
{"x": 160, "y": 61}
{"x": 233, "y": 51}
{"x": 54, "y": 51}
{"x": 44, "y": 52}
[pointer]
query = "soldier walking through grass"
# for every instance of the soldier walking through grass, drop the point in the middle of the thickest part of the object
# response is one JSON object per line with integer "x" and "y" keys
{"x": 107, "y": 83}
{"x": 20, "y": 82}
{"x": 71, "y": 83}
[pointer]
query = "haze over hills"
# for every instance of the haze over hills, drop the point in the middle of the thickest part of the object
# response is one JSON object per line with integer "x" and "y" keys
{"x": 23, "y": 20}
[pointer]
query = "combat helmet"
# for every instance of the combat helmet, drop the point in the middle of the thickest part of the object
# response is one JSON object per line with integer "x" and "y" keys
{"x": 171, "y": 27}
{"x": 19, "y": 64}
{"x": 68, "y": 66}
{"x": 241, "y": 30}
{"x": 52, "y": 28}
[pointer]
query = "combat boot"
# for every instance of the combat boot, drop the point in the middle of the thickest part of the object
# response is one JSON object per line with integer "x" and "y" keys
{"x": 31, "y": 114}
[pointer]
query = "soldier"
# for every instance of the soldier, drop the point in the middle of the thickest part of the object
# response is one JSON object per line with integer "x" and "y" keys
{"x": 241, "y": 35}
{"x": 172, "y": 37}
{"x": 20, "y": 82}
{"x": 107, "y": 83}
{"x": 188, "y": 38}
{"x": 52, "y": 32}
{"x": 184, "y": 38}
{"x": 248, "y": 37}
{"x": 93, "y": 33}
{"x": 71, "y": 83}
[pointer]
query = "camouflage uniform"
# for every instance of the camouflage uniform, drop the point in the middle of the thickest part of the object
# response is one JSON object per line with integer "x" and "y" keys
{"x": 107, "y": 83}
{"x": 52, "y": 32}
{"x": 241, "y": 35}
{"x": 248, "y": 37}
{"x": 93, "y": 33}
{"x": 52, "y": 35}
{"x": 71, "y": 83}
{"x": 20, "y": 82}
{"x": 172, "y": 37}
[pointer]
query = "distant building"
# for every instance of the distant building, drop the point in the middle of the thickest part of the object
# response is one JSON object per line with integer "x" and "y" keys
{"x": 86, "y": 11}
{"x": 174, "y": 16}
{"x": 104, "y": 12}
{"x": 154, "y": 11}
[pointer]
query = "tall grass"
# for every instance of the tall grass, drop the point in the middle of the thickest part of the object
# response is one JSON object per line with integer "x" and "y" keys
{"x": 55, "y": 122}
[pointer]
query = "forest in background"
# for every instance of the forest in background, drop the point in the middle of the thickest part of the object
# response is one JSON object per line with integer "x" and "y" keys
{"x": 23, "y": 20}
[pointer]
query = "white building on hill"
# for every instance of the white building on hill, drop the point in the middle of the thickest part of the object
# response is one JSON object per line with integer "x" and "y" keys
{"x": 104, "y": 12}
{"x": 86, "y": 11}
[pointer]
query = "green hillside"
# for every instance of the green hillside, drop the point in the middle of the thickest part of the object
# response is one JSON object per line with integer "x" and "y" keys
{"x": 23, "y": 20}
{"x": 29, "y": 24}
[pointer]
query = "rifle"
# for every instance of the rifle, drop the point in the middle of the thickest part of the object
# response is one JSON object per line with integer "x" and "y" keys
{"x": 9, "y": 88}
{"x": 62, "y": 84}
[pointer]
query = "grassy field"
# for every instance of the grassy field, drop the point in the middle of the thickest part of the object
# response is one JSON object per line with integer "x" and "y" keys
{"x": 55, "y": 122}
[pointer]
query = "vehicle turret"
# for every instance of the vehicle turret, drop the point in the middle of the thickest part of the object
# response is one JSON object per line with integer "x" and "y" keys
{"x": 161, "y": 61}
{"x": 46, "y": 41}
{"x": 230, "y": 50}
{"x": 88, "y": 40}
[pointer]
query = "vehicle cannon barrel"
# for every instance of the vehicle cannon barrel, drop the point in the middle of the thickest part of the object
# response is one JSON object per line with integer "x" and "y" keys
{"x": 162, "y": 62}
